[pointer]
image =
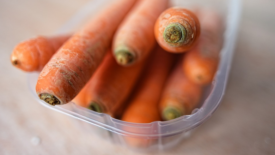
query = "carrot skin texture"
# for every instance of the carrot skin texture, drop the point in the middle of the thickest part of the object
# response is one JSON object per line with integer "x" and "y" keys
{"x": 201, "y": 63}
{"x": 180, "y": 95}
{"x": 75, "y": 62}
{"x": 143, "y": 107}
{"x": 111, "y": 84}
{"x": 134, "y": 39}
{"x": 177, "y": 30}
{"x": 33, "y": 54}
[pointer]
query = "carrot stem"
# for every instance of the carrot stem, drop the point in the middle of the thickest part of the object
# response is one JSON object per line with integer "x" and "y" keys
{"x": 124, "y": 56}
{"x": 172, "y": 112}
{"x": 95, "y": 107}
{"x": 177, "y": 30}
{"x": 50, "y": 99}
{"x": 174, "y": 33}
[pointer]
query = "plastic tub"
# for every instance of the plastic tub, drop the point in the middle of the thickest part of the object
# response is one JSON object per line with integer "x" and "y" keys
{"x": 156, "y": 135}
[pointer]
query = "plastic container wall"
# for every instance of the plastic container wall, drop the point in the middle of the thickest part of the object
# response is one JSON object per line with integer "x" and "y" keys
{"x": 156, "y": 135}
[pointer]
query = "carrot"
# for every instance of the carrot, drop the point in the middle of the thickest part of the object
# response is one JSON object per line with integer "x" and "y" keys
{"x": 110, "y": 85}
{"x": 33, "y": 54}
{"x": 75, "y": 62}
{"x": 134, "y": 39}
{"x": 180, "y": 96}
{"x": 201, "y": 63}
{"x": 143, "y": 106}
{"x": 80, "y": 98}
{"x": 177, "y": 30}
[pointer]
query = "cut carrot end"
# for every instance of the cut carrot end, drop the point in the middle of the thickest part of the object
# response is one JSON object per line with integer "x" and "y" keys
{"x": 170, "y": 113}
{"x": 124, "y": 57}
{"x": 174, "y": 33}
{"x": 50, "y": 99}
{"x": 95, "y": 107}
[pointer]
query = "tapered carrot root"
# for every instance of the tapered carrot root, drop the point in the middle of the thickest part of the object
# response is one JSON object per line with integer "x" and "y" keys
{"x": 33, "y": 54}
{"x": 110, "y": 86}
{"x": 201, "y": 63}
{"x": 134, "y": 39}
{"x": 75, "y": 62}
{"x": 177, "y": 30}
{"x": 143, "y": 106}
{"x": 180, "y": 95}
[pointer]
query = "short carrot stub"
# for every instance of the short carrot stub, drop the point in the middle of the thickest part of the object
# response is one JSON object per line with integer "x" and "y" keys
{"x": 177, "y": 30}
{"x": 201, "y": 63}
{"x": 33, "y": 54}
{"x": 75, "y": 62}
{"x": 135, "y": 39}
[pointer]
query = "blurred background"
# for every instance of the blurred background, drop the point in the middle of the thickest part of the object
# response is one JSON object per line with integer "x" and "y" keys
{"x": 243, "y": 123}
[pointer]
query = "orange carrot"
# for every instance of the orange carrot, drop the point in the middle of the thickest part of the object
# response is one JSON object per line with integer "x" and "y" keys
{"x": 180, "y": 96}
{"x": 75, "y": 62}
{"x": 134, "y": 39}
{"x": 33, "y": 54}
{"x": 201, "y": 63}
{"x": 177, "y": 30}
{"x": 110, "y": 85}
{"x": 143, "y": 107}
{"x": 80, "y": 98}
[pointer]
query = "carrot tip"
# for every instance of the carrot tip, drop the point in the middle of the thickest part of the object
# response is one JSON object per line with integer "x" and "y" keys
{"x": 174, "y": 33}
{"x": 95, "y": 107}
{"x": 50, "y": 99}
{"x": 14, "y": 61}
{"x": 124, "y": 56}
{"x": 170, "y": 113}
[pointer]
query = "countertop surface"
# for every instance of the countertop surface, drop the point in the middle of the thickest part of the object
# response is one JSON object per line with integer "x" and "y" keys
{"x": 244, "y": 123}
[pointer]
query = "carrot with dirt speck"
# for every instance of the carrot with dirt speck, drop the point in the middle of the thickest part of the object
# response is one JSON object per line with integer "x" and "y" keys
{"x": 75, "y": 62}
{"x": 134, "y": 39}
{"x": 177, "y": 30}
{"x": 33, "y": 54}
{"x": 201, "y": 63}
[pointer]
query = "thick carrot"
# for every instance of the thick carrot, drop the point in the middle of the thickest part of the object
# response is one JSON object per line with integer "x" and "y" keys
{"x": 75, "y": 62}
{"x": 134, "y": 39}
{"x": 180, "y": 96}
{"x": 201, "y": 63}
{"x": 177, "y": 30}
{"x": 143, "y": 107}
{"x": 110, "y": 86}
{"x": 33, "y": 54}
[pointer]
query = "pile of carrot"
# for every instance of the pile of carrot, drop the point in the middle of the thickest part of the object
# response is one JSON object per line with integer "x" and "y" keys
{"x": 137, "y": 60}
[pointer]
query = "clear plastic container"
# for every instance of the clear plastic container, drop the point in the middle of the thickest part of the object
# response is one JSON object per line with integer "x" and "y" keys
{"x": 158, "y": 135}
